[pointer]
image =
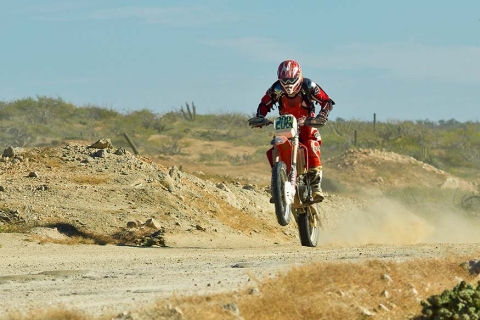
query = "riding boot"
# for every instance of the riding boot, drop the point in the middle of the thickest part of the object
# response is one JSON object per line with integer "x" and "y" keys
{"x": 315, "y": 175}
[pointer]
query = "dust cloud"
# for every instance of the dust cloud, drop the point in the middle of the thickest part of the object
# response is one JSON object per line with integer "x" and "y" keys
{"x": 391, "y": 223}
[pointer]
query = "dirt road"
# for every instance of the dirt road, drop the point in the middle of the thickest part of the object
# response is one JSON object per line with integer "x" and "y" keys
{"x": 105, "y": 279}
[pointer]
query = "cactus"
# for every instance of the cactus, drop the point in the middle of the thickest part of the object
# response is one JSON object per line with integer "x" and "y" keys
{"x": 191, "y": 114}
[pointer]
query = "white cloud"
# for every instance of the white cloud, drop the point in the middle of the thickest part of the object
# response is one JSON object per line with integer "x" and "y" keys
{"x": 403, "y": 60}
{"x": 57, "y": 8}
{"x": 180, "y": 16}
{"x": 60, "y": 11}
{"x": 176, "y": 16}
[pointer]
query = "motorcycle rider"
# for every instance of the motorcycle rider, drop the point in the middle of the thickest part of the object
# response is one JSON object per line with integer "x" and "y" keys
{"x": 297, "y": 95}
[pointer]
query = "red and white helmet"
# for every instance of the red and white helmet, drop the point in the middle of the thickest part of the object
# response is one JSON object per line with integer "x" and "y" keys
{"x": 290, "y": 75}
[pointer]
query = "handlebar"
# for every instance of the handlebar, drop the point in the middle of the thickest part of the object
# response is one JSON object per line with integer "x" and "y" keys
{"x": 258, "y": 122}
{"x": 314, "y": 122}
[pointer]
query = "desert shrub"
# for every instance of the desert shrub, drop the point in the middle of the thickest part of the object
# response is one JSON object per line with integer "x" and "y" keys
{"x": 461, "y": 302}
{"x": 171, "y": 148}
{"x": 91, "y": 112}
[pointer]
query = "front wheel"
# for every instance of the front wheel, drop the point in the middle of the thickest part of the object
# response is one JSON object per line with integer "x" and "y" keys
{"x": 309, "y": 226}
{"x": 280, "y": 192}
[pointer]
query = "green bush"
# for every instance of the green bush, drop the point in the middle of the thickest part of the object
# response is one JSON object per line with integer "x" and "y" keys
{"x": 462, "y": 302}
{"x": 29, "y": 122}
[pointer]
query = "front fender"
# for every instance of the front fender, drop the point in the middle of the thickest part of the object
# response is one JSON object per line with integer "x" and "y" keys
{"x": 282, "y": 150}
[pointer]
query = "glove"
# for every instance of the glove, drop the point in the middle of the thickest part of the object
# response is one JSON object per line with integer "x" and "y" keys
{"x": 258, "y": 122}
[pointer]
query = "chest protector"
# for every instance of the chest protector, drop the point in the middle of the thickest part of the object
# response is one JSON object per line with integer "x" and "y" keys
{"x": 299, "y": 105}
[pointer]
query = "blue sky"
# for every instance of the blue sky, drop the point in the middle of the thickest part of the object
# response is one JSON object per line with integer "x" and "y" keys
{"x": 403, "y": 60}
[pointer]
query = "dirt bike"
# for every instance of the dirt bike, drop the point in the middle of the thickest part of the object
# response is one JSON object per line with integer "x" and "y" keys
{"x": 290, "y": 184}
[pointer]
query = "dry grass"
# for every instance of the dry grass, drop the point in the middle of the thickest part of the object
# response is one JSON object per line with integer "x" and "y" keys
{"x": 67, "y": 234}
{"x": 15, "y": 228}
{"x": 336, "y": 291}
{"x": 328, "y": 290}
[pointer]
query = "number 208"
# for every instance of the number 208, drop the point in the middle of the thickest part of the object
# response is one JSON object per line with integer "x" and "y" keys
{"x": 284, "y": 123}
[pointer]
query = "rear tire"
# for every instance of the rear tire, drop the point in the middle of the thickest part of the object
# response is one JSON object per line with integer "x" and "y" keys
{"x": 283, "y": 210}
{"x": 309, "y": 226}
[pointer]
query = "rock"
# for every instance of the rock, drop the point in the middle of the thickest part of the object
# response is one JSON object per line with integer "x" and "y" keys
{"x": 414, "y": 291}
{"x": 102, "y": 153}
{"x": 33, "y": 174}
{"x": 383, "y": 308}
{"x": 472, "y": 266}
{"x": 386, "y": 294}
{"x": 153, "y": 223}
{"x": 199, "y": 227}
{"x": 12, "y": 152}
{"x": 222, "y": 186}
{"x": 232, "y": 307}
{"x": 387, "y": 277}
{"x": 166, "y": 181}
{"x": 254, "y": 291}
{"x": 366, "y": 312}
{"x": 249, "y": 187}
{"x": 174, "y": 173}
{"x": 105, "y": 143}
{"x": 120, "y": 151}
{"x": 132, "y": 224}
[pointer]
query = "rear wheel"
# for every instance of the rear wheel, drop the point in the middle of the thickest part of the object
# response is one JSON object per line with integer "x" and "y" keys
{"x": 309, "y": 226}
{"x": 280, "y": 189}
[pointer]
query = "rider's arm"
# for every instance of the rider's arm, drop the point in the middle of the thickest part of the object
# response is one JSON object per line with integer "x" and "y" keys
{"x": 320, "y": 96}
{"x": 268, "y": 100}
{"x": 265, "y": 106}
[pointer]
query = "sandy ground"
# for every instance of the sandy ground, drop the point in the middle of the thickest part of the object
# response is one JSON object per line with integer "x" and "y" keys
{"x": 106, "y": 279}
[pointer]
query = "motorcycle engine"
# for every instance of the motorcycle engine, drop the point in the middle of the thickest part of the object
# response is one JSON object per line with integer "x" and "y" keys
{"x": 302, "y": 189}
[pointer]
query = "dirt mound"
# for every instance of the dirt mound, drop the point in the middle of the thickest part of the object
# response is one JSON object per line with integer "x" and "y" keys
{"x": 381, "y": 170}
{"x": 104, "y": 191}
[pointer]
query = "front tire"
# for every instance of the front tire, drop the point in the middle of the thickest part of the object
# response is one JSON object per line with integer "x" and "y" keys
{"x": 309, "y": 226}
{"x": 283, "y": 208}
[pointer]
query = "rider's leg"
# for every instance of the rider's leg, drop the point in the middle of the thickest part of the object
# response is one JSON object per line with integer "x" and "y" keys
{"x": 312, "y": 140}
{"x": 315, "y": 175}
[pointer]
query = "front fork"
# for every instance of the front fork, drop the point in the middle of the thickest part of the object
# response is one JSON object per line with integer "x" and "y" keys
{"x": 293, "y": 167}
{"x": 290, "y": 188}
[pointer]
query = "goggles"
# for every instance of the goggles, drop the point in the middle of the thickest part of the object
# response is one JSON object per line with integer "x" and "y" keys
{"x": 288, "y": 80}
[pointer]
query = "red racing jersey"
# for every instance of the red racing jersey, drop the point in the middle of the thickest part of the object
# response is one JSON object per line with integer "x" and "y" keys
{"x": 301, "y": 104}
